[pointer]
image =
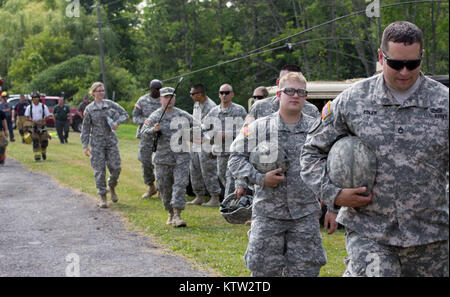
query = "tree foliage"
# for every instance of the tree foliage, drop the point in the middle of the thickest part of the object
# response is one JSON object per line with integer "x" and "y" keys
{"x": 240, "y": 42}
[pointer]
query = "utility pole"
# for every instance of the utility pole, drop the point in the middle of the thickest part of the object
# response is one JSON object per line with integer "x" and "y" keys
{"x": 100, "y": 43}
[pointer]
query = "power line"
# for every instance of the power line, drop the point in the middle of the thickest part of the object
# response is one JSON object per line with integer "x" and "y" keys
{"x": 257, "y": 50}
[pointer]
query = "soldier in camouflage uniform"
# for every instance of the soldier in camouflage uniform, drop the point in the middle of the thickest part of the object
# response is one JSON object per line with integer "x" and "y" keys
{"x": 203, "y": 165}
{"x": 142, "y": 110}
{"x": 401, "y": 229}
{"x": 226, "y": 112}
{"x": 285, "y": 235}
{"x": 267, "y": 106}
{"x": 102, "y": 118}
{"x": 172, "y": 154}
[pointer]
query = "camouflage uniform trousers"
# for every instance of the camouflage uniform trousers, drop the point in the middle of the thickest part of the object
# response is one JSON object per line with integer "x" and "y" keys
{"x": 224, "y": 173}
{"x": 285, "y": 247}
{"x": 145, "y": 157}
{"x": 102, "y": 156}
{"x": 203, "y": 174}
{"x": 172, "y": 181}
{"x": 366, "y": 257}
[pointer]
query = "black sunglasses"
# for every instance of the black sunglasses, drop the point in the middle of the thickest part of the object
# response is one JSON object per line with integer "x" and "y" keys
{"x": 257, "y": 97}
{"x": 399, "y": 64}
{"x": 195, "y": 93}
{"x": 224, "y": 92}
{"x": 292, "y": 91}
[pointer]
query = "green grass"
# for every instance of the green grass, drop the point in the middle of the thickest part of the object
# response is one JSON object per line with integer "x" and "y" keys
{"x": 208, "y": 240}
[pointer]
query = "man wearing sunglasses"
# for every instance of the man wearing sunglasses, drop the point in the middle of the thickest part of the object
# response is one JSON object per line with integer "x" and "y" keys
{"x": 143, "y": 108}
{"x": 203, "y": 166}
{"x": 401, "y": 228}
{"x": 231, "y": 113}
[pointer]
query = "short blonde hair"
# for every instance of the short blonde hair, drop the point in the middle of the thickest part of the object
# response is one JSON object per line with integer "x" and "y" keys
{"x": 292, "y": 76}
{"x": 94, "y": 87}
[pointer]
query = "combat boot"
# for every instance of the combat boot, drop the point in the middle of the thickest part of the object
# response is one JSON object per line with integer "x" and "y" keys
{"x": 214, "y": 201}
{"x": 176, "y": 220}
{"x": 103, "y": 203}
{"x": 170, "y": 218}
{"x": 150, "y": 192}
{"x": 199, "y": 200}
{"x": 114, "y": 197}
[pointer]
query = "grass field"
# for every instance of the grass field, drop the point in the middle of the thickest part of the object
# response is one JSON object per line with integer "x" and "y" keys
{"x": 209, "y": 241}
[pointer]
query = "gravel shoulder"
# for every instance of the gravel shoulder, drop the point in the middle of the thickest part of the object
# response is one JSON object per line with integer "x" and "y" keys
{"x": 48, "y": 230}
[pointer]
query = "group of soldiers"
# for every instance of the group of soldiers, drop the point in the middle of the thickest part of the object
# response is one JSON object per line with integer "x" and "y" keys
{"x": 399, "y": 229}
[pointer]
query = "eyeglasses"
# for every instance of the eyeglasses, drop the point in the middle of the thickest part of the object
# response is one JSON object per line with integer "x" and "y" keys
{"x": 194, "y": 93}
{"x": 399, "y": 64}
{"x": 224, "y": 92}
{"x": 257, "y": 97}
{"x": 292, "y": 91}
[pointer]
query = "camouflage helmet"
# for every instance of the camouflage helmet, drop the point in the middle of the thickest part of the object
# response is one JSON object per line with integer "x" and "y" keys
{"x": 268, "y": 156}
{"x": 351, "y": 164}
{"x": 236, "y": 211}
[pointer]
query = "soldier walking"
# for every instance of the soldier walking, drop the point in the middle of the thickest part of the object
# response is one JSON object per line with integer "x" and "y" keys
{"x": 102, "y": 118}
{"x": 229, "y": 117}
{"x": 143, "y": 108}
{"x": 203, "y": 165}
{"x": 171, "y": 160}
{"x": 401, "y": 228}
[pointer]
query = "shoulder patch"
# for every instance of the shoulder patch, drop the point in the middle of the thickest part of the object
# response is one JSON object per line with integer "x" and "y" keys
{"x": 248, "y": 119}
{"x": 326, "y": 111}
{"x": 147, "y": 123}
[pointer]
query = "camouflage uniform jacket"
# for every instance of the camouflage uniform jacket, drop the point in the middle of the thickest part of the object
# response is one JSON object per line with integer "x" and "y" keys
{"x": 233, "y": 111}
{"x": 143, "y": 109}
{"x": 176, "y": 122}
{"x": 267, "y": 106}
{"x": 199, "y": 112}
{"x": 291, "y": 199}
{"x": 409, "y": 205}
{"x": 96, "y": 130}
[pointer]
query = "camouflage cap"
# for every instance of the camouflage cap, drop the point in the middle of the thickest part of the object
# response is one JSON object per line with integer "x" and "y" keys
{"x": 166, "y": 91}
{"x": 156, "y": 84}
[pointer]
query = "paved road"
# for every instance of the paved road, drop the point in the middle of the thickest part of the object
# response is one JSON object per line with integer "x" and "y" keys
{"x": 47, "y": 230}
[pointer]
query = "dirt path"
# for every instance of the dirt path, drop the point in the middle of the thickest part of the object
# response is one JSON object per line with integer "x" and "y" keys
{"x": 46, "y": 230}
